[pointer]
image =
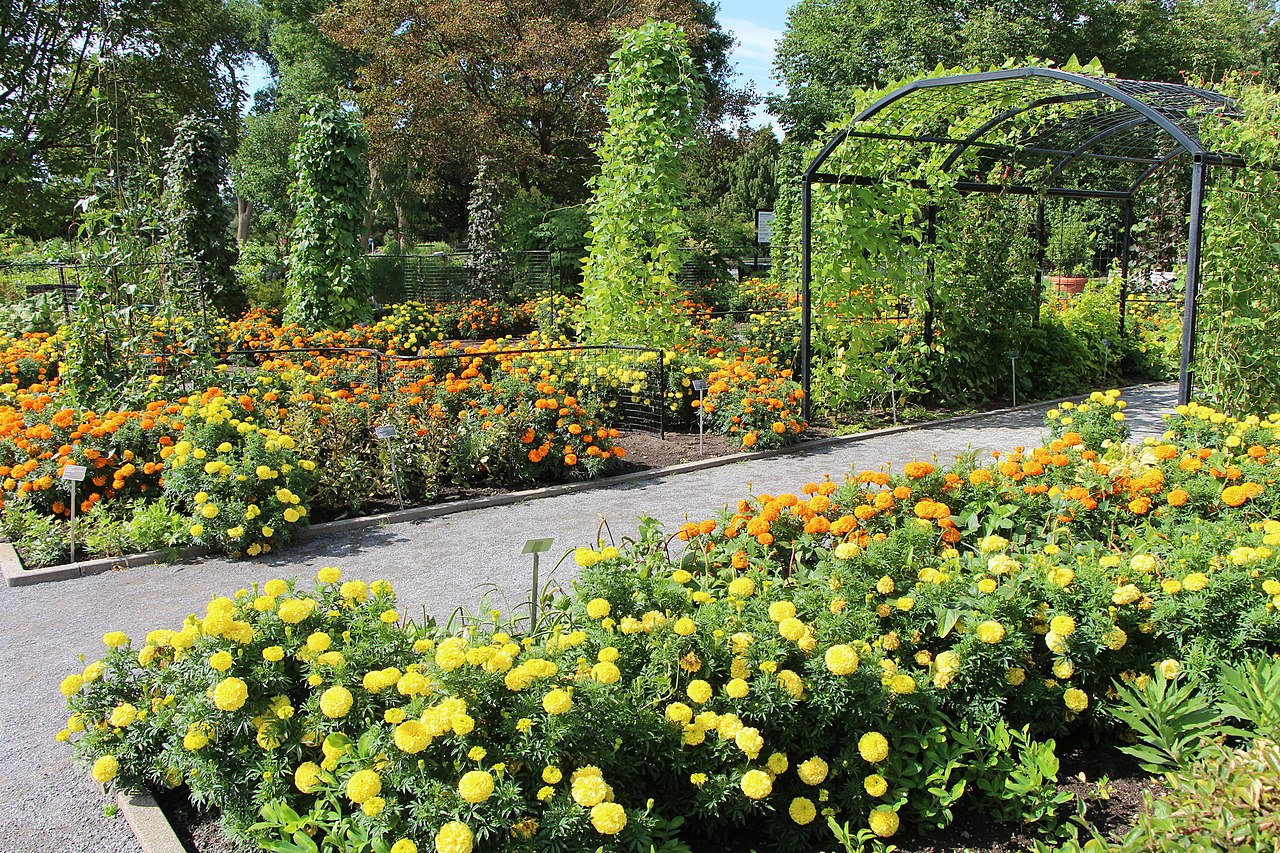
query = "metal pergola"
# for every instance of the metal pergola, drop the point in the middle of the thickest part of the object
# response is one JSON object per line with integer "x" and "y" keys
{"x": 1078, "y": 135}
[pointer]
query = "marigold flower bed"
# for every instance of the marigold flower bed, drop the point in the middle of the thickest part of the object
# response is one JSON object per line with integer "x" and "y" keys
{"x": 855, "y": 651}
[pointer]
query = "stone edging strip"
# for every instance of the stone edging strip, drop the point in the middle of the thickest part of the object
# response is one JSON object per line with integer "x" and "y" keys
{"x": 15, "y": 575}
{"x": 148, "y": 822}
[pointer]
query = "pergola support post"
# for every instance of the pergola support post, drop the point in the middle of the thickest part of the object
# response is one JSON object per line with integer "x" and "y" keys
{"x": 806, "y": 248}
{"x": 1126, "y": 238}
{"x": 1199, "y": 174}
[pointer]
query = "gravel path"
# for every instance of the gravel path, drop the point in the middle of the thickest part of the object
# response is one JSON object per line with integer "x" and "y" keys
{"x": 435, "y": 564}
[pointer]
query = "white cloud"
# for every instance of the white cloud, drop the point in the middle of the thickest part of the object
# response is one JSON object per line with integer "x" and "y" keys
{"x": 753, "y": 54}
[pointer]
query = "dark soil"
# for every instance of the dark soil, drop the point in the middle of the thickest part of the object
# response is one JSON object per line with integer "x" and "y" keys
{"x": 1109, "y": 784}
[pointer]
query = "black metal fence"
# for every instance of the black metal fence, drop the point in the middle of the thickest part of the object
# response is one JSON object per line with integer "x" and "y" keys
{"x": 453, "y": 277}
{"x": 627, "y": 384}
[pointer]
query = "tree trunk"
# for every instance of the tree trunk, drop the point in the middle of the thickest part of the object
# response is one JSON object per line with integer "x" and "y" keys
{"x": 244, "y": 214}
{"x": 402, "y": 227}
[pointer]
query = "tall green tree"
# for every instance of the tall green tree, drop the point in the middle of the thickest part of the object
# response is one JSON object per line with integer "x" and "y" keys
{"x": 629, "y": 280}
{"x": 195, "y": 216}
{"x": 76, "y": 71}
{"x": 328, "y": 280}
{"x": 832, "y": 48}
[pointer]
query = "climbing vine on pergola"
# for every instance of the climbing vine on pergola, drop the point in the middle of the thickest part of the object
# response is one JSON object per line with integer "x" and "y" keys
{"x": 870, "y": 200}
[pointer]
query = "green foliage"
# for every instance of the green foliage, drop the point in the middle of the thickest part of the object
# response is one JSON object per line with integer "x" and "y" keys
{"x": 261, "y": 270}
{"x": 1070, "y": 248}
{"x": 1174, "y": 722}
{"x": 195, "y": 219}
{"x": 629, "y": 280}
{"x": 484, "y": 212}
{"x": 1238, "y": 325}
{"x": 327, "y": 285}
{"x": 1251, "y": 696}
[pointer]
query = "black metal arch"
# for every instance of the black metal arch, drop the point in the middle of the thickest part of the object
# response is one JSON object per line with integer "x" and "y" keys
{"x": 1134, "y": 128}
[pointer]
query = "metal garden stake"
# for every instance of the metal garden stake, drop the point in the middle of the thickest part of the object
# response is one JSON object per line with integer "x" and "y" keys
{"x": 535, "y": 547}
{"x": 386, "y": 433}
{"x": 700, "y": 385}
{"x": 73, "y": 474}
{"x": 893, "y": 392}
{"x": 1013, "y": 369}
{"x": 1106, "y": 351}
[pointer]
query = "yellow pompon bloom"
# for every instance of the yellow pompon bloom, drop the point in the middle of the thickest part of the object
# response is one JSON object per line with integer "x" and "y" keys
{"x": 990, "y": 632}
{"x": 813, "y": 771}
{"x": 123, "y": 715}
{"x": 678, "y": 713}
{"x": 363, "y": 785}
{"x": 883, "y": 823}
{"x": 875, "y": 785}
{"x": 802, "y": 811}
{"x": 902, "y": 684}
{"x": 451, "y": 654}
{"x": 454, "y": 837}
{"x": 294, "y": 610}
{"x": 552, "y": 775}
{"x": 749, "y": 740}
{"x": 230, "y": 694}
{"x": 873, "y": 747}
{"x": 742, "y": 587}
{"x": 475, "y": 786}
{"x": 685, "y": 626}
{"x": 1127, "y": 594}
{"x": 412, "y": 736}
{"x": 335, "y": 702}
{"x": 1115, "y": 638}
{"x": 608, "y": 818}
{"x": 221, "y": 661}
{"x": 404, "y": 845}
{"x": 306, "y": 776}
{"x": 777, "y": 763}
{"x": 780, "y": 610}
{"x": 698, "y": 691}
{"x": 557, "y": 701}
{"x": 589, "y": 789}
{"x": 1062, "y": 625}
{"x": 1075, "y": 699}
{"x": 273, "y": 654}
{"x": 1169, "y": 668}
{"x": 841, "y": 659}
{"x": 71, "y": 684}
{"x": 598, "y": 608}
{"x": 115, "y": 639}
{"x": 756, "y": 784}
{"x": 1195, "y": 581}
{"x": 329, "y": 574}
{"x": 105, "y": 769}
{"x": 737, "y": 688}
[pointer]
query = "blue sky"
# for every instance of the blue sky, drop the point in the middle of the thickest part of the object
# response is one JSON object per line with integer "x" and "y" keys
{"x": 756, "y": 24}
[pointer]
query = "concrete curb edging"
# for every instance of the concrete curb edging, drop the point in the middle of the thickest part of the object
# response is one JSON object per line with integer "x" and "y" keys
{"x": 15, "y": 575}
{"x": 148, "y": 822}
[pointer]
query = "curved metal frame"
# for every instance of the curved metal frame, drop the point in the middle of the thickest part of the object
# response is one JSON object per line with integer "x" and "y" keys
{"x": 1096, "y": 87}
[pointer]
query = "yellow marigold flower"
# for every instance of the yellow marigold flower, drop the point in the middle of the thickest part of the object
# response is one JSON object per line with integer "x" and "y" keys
{"x": 873, "y": 747}
{"x": 363, "y": 785}
{"x": 681, "y": 576}
{"x": 294, "y": 610}
{"x": 1016, "y": 676}
{"x": 841, "y": 659}
{"x": 1169, "y": 668}
{"x": 475, "y": 786}
{"x": 123, "y": 715}
{"x": 697, "y": 779}
{"x": 606, "y": 673}
{"x": 608, "y": 654}
{"x": 1063, "y": 668}
{"x": 679, "y": 713}
{"x": 336, "y": 702}
{"x": 454, "y": 837}
{"x": 273, "y": 654}
{"x": 780, "y": 610}
{"x": 552, "y": 775}
{"x": 756, "y": 784}
{"x": 777, "y": 763}
{"x": 684, "y": 626}
{"x": 412, "y": 737}
{"x": 698, "y": 691}
{"x": 404, "y": 845}
{"x": 748, "y": 740}
{"x": 451, "y": 653}
{"x": 905, "y": 603}
{"x": 598, "y": 608}
{"x": 221, "y": 661}
{"x": 546, "y": 792}
{"x": 902, "y": 684}
{"x": 791, "y": 628}
{"x": 275, "y": 587}
{"x": 875, "y": 785}
{"x": 802, "y": 811}
{"x": 990, "y": 632}
{"x": 608, "y": 818}
{"x": 883, "y": 822}
{"x": 557, "y": 701}
{"x": 105, "y": 769}
{"x": 986, "y": 586}
{"x": 1195, "y": 581}
{"x": 1075, "y": 699}
{"x": 71, "y": 685}
{"x": 373, "y": 806}
{"x": 1127, "y": 594}
{"x": 589, "y": 789}
{"x": 737, "y": 688}
{"x": 812, "y": 771}
{"x": 885, "y": 586}
{"x": 306, "y": 776}
{"x": 115, "y": 639}
{"x": 230, "y": 694}
{"x": 1062, "y": 625}
{"x": 742, "y": 587}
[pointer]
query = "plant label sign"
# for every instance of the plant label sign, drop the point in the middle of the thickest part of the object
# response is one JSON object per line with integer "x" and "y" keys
{"x": 386, "y": 431}
{"x": 699, "y": 384}
{"x": 74, "y": 473}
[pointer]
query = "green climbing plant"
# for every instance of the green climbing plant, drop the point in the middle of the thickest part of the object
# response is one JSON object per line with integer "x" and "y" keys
{"x": 1238, "y": 344}
{"x": 327, "y": 284}
{"x": 196, "y": 222}
{"x": 629, "y": 280}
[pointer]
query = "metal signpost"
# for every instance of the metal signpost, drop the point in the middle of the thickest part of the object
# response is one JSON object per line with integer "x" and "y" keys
{"x": 700, "y": 385}
{"x": 73, "y": 474}
{"x": 387, "y": 432}
{"x": 1013, "y": 369}
{"x": 535, "y": 547}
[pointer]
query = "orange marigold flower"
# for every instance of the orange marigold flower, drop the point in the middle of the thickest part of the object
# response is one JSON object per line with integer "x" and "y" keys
{"x": 1177, "y": 497}
{"x": 916, "y": 470}
{"x": 1234, "y": 495}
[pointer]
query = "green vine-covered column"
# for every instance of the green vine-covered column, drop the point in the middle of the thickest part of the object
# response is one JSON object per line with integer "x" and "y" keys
{"x": 196, "y": 223}
{"x": 1238, "y": 327}
{"x": 328, "y": 280}
{"x": 629, "y": 289}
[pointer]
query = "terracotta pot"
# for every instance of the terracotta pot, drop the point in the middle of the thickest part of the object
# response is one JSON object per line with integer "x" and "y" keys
{"x": 1071, "y": 285}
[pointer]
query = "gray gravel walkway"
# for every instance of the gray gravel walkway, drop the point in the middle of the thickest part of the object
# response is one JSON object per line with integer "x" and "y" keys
{"x": 435, "y": 564}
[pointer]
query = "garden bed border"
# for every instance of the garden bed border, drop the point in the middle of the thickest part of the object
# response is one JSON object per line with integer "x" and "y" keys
{"x": 15, "y": 575}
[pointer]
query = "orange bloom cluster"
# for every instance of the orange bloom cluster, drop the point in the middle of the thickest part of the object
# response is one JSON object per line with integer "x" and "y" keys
{"x": 750, "y": 400}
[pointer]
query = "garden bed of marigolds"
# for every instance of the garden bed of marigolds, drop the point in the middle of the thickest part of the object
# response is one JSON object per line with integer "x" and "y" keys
{"x": 879, "y": 654}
